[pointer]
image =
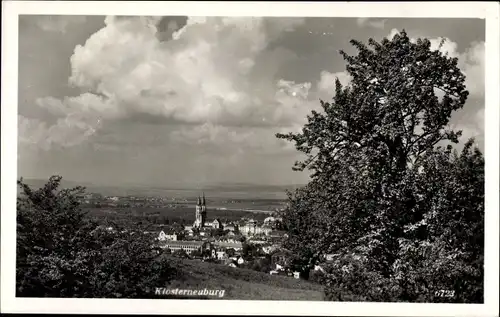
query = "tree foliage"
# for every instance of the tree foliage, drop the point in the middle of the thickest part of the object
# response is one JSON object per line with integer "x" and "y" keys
{"x": 230, "y": 252}
{"x": 181, "y": 253}
{"x": 217, "y": 232}
{"x": 249, "y": 250}
{"x": 196, "y": 253}
{"x": 404, "y": 213}
{"x": 62, "y": 253}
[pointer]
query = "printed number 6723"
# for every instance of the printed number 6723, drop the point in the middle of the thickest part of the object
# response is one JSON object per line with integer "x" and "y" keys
{"x": 445, "y": 293}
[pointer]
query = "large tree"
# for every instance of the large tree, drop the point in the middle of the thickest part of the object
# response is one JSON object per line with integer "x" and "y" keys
{"x": 63, "y": 253}
{"x": 382, "y": 185}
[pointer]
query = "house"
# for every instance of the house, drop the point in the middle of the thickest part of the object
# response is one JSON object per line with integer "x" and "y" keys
{"x": 251, "y": 228}
{"x": 217, "y": 224}
{"x": 231, "y": 227}
{"x": 232, "y": 264}
{"x": 188, "y": 246}
{"x": 269, "y": 220}
{"x": 269, "y": 249}
{"x": 296, "y": 275}
{"x": 221, "y": 255}
{"x": 256, "y": 241}
{"x": 189, "y": 230}
{"x": 240, "y": 260}
{"x": 163, "y": 236}
{"x": 206, "y": 245}
{"x": 227, "y": 245}
{"x": 330, "y": 257}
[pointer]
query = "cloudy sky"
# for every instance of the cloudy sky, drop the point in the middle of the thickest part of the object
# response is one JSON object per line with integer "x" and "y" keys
{"x": 190, "y": 100}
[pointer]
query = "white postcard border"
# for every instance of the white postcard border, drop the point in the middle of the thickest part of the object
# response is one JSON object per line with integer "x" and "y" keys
{"x": 10, "y": 12}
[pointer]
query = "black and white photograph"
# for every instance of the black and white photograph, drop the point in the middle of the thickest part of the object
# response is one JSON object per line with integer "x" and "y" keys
{"x": 173, "y": 158}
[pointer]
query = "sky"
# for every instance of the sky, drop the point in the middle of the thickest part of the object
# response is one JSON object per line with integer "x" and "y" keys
{"x": 167, "y": 101}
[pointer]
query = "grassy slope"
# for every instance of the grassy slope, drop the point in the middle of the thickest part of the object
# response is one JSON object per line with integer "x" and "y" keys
{"x": 242, "y": 284}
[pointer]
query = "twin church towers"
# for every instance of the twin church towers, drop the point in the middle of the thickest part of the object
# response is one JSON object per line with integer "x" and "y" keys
{"x": 201, "y": 213}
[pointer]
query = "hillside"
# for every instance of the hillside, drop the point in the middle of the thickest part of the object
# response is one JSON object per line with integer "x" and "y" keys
{"x": 241, "y": 284}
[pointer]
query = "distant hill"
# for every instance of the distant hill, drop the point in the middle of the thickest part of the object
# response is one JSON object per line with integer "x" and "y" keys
{"x": 232, "y": 190}
{"x": 37, "y": 183}
{"x": 105, "y": 190}
{"x": 241, "y": 284}
{"x": 253, "y": 187}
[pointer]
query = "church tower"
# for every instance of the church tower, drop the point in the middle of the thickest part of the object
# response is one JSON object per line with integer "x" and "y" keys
{"x": 203, "y": 204}
{"x": 197, "y": 222}
{"x": 201, "y": 213}
{"x": 203, "y": 210}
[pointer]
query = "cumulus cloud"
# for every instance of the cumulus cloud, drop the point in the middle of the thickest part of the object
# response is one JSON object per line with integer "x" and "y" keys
{"x": 213, "y": 73}
{"x": 69, "y": 131}
{"x": 207, "y": 72}
{"x": 374, "y": 23}
{"x": 326, "y": 84}
{"x": 392, "y": 33}
{"x": 473, "y": 62}
{"x": 472, "y": 127}
{"x": 85, "y": 104}
{"x": 292, "y": 103}
{"x": 445, "y": 46}
{"x": 203, "y": 74}
{"x": 59, "y": 23}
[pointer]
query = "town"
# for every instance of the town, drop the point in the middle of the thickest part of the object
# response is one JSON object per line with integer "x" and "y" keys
{"x": 239, "y": 243}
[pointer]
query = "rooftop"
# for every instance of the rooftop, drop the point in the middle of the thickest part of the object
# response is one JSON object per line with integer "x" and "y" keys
{"x": 181, "y": 243}
{"x": 229, "y": 244}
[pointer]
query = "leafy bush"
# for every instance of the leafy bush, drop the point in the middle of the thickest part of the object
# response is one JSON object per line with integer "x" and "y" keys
{"x": 180, "y": 253}
{"x": 61, "y": 253}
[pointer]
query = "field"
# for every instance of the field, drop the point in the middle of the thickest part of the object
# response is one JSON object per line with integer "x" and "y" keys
{"x": 241, "y": 284}
{"x": 183, "y": 214}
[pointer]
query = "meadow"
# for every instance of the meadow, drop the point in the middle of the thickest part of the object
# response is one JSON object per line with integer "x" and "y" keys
{"x": 241, "y": 284}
